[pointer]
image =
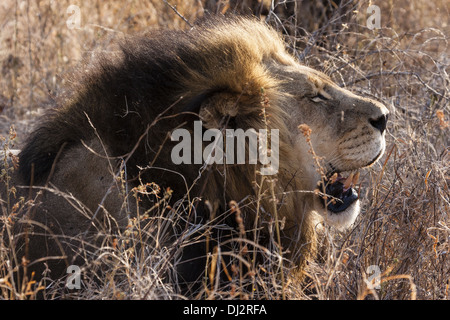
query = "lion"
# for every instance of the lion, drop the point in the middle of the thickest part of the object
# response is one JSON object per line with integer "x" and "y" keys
{"x": 227, "y": 73}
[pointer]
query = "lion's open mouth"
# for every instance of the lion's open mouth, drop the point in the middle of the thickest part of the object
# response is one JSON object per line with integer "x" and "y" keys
{"x": 339, "y": 191}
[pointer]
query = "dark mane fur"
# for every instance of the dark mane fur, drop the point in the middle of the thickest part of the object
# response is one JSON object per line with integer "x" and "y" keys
{"x": 120, "y": 98}
{"x": 125, "y": 92}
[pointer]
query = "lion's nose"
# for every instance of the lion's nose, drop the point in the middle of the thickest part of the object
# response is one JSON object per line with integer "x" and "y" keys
{"x": 379, "y": 123}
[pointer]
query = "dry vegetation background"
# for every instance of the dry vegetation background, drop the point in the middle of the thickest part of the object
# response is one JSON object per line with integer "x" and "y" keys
{"x": 404, "y": 229}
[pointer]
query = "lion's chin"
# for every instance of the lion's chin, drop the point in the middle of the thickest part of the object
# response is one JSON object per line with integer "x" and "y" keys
{"x": 344, "y": 219}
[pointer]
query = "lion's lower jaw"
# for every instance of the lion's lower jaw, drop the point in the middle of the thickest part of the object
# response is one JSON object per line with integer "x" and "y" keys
{"x": 344, "y": 219}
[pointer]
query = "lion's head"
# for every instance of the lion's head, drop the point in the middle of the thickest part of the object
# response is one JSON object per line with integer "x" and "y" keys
{"x": 228, "y": 74}
{"x": 346, "y": 134}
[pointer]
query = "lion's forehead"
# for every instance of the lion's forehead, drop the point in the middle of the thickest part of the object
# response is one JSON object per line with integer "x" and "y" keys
{"x": 301, "y": 81}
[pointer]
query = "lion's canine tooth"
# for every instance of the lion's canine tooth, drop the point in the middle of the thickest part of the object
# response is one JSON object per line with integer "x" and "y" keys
{"x": 348, "y": 181}
{"x": 355, "y": 178}
{"x": 333, "y": 178}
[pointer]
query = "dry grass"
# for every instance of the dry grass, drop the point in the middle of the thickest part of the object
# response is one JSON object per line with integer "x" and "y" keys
{"x": 404, "y": 229}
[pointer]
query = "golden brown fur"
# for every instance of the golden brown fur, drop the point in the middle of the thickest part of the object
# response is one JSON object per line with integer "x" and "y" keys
{"x": 223, "y": 73}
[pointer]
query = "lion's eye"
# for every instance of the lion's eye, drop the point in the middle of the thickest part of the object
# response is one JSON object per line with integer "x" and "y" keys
{"x": 319, "y": 98}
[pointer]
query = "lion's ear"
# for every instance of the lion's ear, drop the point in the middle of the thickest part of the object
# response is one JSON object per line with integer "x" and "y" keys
{"x": 218, "y": 108}
{"x": 215, "y": 109}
